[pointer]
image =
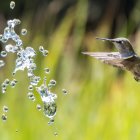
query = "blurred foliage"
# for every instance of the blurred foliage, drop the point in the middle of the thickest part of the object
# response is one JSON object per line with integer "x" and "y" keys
{"x": 103, "y": 103}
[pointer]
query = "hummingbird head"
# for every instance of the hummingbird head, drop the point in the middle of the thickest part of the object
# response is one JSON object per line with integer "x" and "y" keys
{"x": 123, "y": 45}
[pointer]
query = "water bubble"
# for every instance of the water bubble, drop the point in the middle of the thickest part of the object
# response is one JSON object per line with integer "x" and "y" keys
{"x": 5, "y": 108}
{"x": 2, "y": 63}
{"x": 30, "y": 73}
{"x": 38, "y": 106}
{"x": 12, "y": 84}
{"x": 41, "y": 48}
{"x": 55, "y": 133}
{"x": 45, "y": 52}
{"x": 47, "y": 70}
{"x": 34, "y": 80}
{"x": 13, "y": 73}
{"x": 32, "y": 66}
{"x": 16, "y": 21}
{"x": 23, "y": 31}
{"x": 64, "y": 91}
{"x": 53, "y": 82}
{"x": 14, "y": 80}
{"x": 4, "y": 40}
{"x": 50, "y": 86}
{"x": 31, "y": 96}
{"x": 50, "y": 109}
{"x": 4, "y": 117}
{"x": 3, "y": 85}
{"x": 12, "y": 5}
{"x": 51, "y": 121}
{"x": 3, "y": 53}
{"x": 10, "y": 48}
{"x": 6, "y": 82}
{"x": 24, "y": 60}
{"x": 30, "y": 87}
{"x": 3, "y": 91}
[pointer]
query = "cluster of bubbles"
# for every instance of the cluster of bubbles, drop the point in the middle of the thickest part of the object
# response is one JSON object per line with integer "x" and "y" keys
{"x": 43, "y": 51}
{"x": 25, "y": 60}
{"x": 5, "y": 110}
{"x": 48, "y": 98}
{"x": 7, "y": 82}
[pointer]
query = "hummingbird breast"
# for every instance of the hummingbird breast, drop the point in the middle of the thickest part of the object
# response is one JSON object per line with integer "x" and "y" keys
{"x": 133, "y": 65}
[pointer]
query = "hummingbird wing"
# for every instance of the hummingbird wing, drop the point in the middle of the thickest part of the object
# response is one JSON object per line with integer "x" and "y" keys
{"x": 111, "y": 58}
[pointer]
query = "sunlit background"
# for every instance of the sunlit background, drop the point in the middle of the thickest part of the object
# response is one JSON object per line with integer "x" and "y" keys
{"x": 103, "y": 102}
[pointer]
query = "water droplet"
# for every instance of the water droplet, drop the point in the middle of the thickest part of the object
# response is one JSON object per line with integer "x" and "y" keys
{"x": 55, "y": 133}
{"x": 34, "y": 80}
{"x": 4, "y": 40}
{"x": 12, "y": 5}
{"x": 51, "y": 121}
{"x": 45, "y": 52}
{"x": 4, "y": 117}
{"x": 5, "y": 108}
{"x": 47, "y": 70}
{"x": 3, "y": 53}
{"x": 53, "y": 82}
{"x": 6, "y": 82}
{"x": 41, "y": 48}
{"x": 31, "y": 96}
{"x": 3, "y": 85}
{"x": 12, "y": 84}
{"x": 14, "y": 80}
{"x": 23, "y": 31}
{"x": 3, "y": 91}
{"x": 64, "y": 91}
{"x": 2, "y": 63}
{"x": 30, "y": 87}
{"x": 38, "y": 106}
{"x": 13, "y": 73}
{"x": 50, "y": 109}
{"x": 10, "y": 48}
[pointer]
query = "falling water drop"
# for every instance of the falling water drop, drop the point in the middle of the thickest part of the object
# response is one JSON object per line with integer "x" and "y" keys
{"x": 30, "y": 87}
{"x": 38, "y": 106}
{"x": 6, "y": 82}
{"x": 12, "y": 5}
{"x": 55, "y": 133}
{"x": 47, "y": 70}
{"x": 12, "y": 84}
{"x": 31, "y": 96}
{"x": 5, "y": 108}
{"x": 45, "y": 52}
{"x": 41, "y": 48}
{"x": 3, "y": 53}
{"x": 4, "y": 117}
{"x": 64, "y": 91}
{"x": 50, "y": 109}
{"x": 23, "y": 31}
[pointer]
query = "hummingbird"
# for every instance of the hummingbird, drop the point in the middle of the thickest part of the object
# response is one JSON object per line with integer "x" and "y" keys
{"x": 125, "y": 58}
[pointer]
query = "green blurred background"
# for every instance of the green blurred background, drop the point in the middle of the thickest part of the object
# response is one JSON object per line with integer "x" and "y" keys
{"x": 103, "y": 102}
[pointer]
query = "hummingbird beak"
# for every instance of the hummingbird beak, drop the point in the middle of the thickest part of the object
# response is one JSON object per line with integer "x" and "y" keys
{"x": 106, "y": 39}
